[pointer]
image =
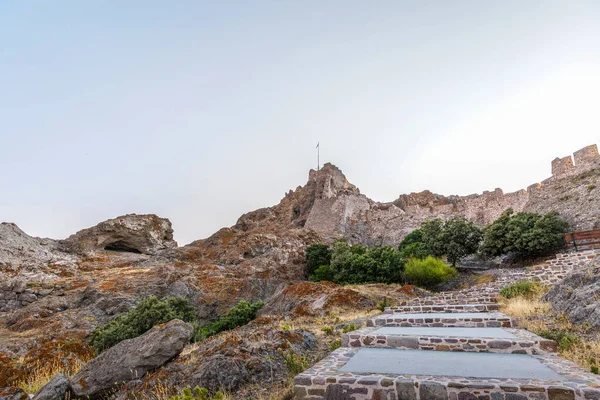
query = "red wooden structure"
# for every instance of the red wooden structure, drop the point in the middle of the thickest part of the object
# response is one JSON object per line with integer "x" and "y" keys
{"x": 583, "y": 240}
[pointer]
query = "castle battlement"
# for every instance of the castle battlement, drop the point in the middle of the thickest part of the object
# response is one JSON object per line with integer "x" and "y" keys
{"x": 585, "y": 159}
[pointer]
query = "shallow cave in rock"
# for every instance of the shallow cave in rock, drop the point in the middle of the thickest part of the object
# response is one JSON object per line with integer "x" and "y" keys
{"x": 121, "y": 246}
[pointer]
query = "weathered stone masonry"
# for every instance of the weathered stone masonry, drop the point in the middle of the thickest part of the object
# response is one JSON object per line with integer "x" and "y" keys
{"x": 524, "y": 343}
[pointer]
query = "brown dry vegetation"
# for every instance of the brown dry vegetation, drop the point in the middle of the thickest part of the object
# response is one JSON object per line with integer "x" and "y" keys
{"x": 581, "y": 345}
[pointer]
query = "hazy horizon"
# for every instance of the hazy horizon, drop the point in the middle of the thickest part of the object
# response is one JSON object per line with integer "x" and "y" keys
{"x": 200, "y": 112}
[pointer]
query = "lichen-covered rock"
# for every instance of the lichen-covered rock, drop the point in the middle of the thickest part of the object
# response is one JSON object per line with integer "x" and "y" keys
{"x": 252, "y": 354}
{"x": 577, "y": 296}
{"x": 56, "y": 389}
{"x": 131, "y": 359}
{"x": 145, "y": 234}
{"x": 315, "y": 298}
{"x": 12, "y": 394}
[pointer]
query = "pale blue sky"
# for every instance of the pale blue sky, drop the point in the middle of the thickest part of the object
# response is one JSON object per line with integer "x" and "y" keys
{"x": 200, "y": 111}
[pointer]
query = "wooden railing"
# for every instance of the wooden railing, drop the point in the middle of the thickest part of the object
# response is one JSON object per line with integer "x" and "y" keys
{"x": 583, "y": 240}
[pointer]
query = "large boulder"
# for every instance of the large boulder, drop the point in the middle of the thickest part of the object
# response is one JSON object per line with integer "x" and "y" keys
{"x": 131, "y": 359}
{"x": 56, "y": 389}
{"x": 250, "y": 355}
{"x": 144, "y": 234}
{"x": 577, "y": 296}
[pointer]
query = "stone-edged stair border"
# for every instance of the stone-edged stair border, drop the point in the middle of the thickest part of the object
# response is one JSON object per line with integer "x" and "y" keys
{"x": 524, "y": 343}
{"x": 444, "y": 308}
{"x": 485, "y": 320}
{"x": 324, "y": 381}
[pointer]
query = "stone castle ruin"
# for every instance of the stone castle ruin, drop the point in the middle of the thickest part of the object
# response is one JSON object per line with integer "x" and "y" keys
{"x": 585, "y": 159}
{"x": 340, "y": 208}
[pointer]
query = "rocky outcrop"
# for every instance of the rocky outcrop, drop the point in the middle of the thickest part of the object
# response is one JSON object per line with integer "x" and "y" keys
{"x": 253, "y": 354}
{"x": 27, "y": 256}
{"x": 131, "y": 359}
{"x": 145, "y": 234}
{"x": 14, "y": 294}
{"x": 315, "y": 298}
{"x": 56, "y": 389}
{"x": 577, "y": 296}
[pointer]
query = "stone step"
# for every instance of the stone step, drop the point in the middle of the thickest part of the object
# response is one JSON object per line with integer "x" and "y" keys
{"x": 371, "y": 373}
{"x": 474, "y": 320}
{"x": 491, "y": 340}
{"x": 451, "y": 299}
{"x": 444, "y": 308}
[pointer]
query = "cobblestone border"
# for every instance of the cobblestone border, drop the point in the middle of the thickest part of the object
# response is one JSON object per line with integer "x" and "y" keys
{"x": 323, "y": 381}
{"x": 445, "y": 308}
{"x": 524, "y": 343}
{"x": 486, "y": 320}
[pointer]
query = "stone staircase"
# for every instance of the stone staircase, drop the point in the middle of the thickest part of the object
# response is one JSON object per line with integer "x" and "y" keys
{"x": 446, "y": 352}
{"x": 452, "y": 346}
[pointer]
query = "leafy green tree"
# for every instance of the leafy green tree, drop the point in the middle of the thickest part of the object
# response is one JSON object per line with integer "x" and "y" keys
{"x": 433, "y": 237}
{"x": 455, "y": 238}
{"x": 459, "y": 238}
{"x": 323, "y": 273}
{"x": 317, "y": 255}
{"x": 361, "y": 264}
{"x": 413, "y": 246}
{"x": 428, "y": 272}
{"x": 495, "y": 242}
{"x": 525, "y": 234}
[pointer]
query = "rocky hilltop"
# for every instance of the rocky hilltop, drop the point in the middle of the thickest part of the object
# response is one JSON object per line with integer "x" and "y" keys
{"x": 330, "y": 205}
{"x": 53, "y": 293}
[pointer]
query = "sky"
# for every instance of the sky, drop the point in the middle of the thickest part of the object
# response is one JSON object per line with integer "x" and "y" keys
{"x": 200, "y": 111}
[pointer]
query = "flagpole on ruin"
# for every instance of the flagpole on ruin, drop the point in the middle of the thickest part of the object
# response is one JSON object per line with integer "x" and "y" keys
{"x": 318, "y": 155}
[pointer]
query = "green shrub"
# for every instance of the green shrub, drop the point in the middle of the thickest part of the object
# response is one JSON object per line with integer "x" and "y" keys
{"x": 197, "y": 394}
{"x": 323, "y": 273}
{"x": 527, "y": 235}
{"x": 413, "y": 245}
{"x": 383, "y": 304}
{"x": 428, "y": 272}
{"x": 521, "y": 288}
{"x": 565, "y": 339}
{"x": 350, "y": 327}
{"x": 242, "y": 313}
{"x": 294, "y": 363}
{"x": 148, "y": 312}
{"x": 594, "y": 369}
{"x": 336, "y": 344}
{"x": 455, "y": 238}
{"x": 328, "y": 330}
{"x": 317, "y": 255}
{"x": 360, "y": 264}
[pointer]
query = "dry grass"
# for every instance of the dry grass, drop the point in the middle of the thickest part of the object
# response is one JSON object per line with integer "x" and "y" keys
{"x": 580, "y": 345}
{"x": 482, "y": 279}
{"x": 43, "y": 372}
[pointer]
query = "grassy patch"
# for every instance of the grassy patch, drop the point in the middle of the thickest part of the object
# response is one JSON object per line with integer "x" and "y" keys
{"x": 538, "y": 317}
{"x": 526, "y": 289}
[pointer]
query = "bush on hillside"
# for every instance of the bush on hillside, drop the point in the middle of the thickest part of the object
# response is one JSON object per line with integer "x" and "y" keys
{"x": 459, "y": 239}
{"x": 527, "y": 235}
{"x": 323, "y": 273}
{"x": 360, "y": 264}
{"x": 149, "y": 312}
{"x": 317, "y": 255}
{"x": 428, "y": 272}
{"x": 455, "y": 238}
{"x": 413, "y": 246}
{"x": 242, "y": 313}
{"x": 521, "y": 288}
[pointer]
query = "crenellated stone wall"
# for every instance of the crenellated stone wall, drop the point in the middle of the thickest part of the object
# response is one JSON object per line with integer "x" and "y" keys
{"x": 339, "y": 208}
